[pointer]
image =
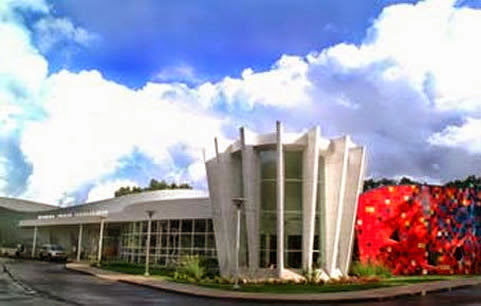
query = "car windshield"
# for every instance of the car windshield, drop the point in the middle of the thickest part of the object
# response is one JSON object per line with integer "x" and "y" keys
{"x": 56, "y": 248}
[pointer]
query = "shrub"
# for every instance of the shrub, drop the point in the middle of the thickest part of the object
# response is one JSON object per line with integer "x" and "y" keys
{"x": 313, "y": 277}
{"x": 370, "y": 269}
{"x": 211, "y": 266}
{"x": 189, "y": 268}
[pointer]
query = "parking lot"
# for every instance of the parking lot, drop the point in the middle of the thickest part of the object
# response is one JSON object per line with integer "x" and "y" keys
{"x": 49, "y": 283}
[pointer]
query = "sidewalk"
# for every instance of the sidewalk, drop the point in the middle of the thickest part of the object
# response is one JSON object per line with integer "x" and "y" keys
{"x": 351, "y": 296}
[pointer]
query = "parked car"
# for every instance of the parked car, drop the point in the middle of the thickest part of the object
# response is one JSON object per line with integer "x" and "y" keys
{"x": 7, "y": 252}
{"x": 52, "y": 252}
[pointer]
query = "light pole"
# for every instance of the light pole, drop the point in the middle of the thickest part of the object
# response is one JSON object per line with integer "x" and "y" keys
{"x": 150, "y": 213}
{"x": 238, "y": 204}
{"x": 101, "y": 238}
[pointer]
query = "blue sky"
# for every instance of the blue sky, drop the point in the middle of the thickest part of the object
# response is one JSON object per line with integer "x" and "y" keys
{"x": 96, "y": 95}
{"x": 140, "y": 39}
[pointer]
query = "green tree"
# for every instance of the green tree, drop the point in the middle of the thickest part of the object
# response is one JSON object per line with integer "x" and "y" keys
{"x": 153, "y": 185}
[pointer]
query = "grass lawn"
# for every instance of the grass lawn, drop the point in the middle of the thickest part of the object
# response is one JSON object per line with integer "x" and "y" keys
{"x": 166, "y": 274}
{"x": 312, "y": 288}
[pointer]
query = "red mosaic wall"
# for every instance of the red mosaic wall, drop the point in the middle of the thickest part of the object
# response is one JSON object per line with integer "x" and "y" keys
{"x": 419, "y": 229}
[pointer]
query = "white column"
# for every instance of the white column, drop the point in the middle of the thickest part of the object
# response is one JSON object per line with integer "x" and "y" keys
{"x": 251, "y": 193}
{"x": 79, "y": 244}
{"x": 101, "y": 238}
{"x": 237, "y": 246}
{"x": 354, "y": 181}
{"x": 335, "y": 177}
{"x": 280, "y": 200}
{"x": 147, "y": 244}
{"x": 310, "y": 166}
{"x": 34, "y": 244}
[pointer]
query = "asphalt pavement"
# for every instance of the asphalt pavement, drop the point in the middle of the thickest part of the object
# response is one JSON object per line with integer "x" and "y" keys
{"x": 42, "y": 283}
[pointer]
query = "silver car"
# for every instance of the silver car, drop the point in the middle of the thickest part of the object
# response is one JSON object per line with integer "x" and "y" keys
{"x": 52, "y": 252}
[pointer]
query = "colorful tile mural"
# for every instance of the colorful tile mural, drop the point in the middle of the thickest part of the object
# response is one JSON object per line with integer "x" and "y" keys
{"x": 421, "y": 229}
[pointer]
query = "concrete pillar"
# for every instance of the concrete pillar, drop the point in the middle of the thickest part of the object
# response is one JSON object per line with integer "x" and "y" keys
{"x": 354, "y": 181}
{"x": 310, "y": 166}
{"x": 224, "y": 185}
{"x": 250, "y": 182}
{"x": 334, "y": 185}
{"x": 340, "y": 209}
{"x": 101, "y": 238}
{"x": 147, "y": 243}
{"x": 79, "y": 244}
{"x": 34, "y": 243}
{"x": 132, "y": 241}
{"x": 237, "y": 246}
{"x": 280, "y": 200}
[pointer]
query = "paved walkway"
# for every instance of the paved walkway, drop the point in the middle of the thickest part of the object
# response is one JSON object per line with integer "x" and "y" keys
{"x": 351, "y": 296}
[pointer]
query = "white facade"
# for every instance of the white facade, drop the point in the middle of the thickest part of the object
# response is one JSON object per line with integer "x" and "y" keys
{"x": 310, "y": 224}
{"x": 298, "y": 195}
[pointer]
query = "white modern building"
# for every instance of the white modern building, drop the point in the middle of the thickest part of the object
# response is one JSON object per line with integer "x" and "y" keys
{"x": 278, "y": 204}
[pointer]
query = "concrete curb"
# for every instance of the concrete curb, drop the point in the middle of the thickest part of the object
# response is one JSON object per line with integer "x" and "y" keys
{"x": 349, "y": 296}
{"x": 22, "y": 285}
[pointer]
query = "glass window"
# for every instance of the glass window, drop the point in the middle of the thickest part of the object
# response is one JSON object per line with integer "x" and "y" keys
{"x": 268, "y": 164}
{"x": 262, "y": 259}
{"x": 186, "y": 241}
{"x": 200, "y": 225}
{"x": 273, "y": 242}
{"x": 293, "y": 196}
{"x": 294, "y": 259}
{"x": 174, "y": 225}
{"x": 272, "y": 258}
{"x": 210, "y": 226}
{"x": 168, "y": 242}
{"x": 293, "y": 164}
{"x": 294, "y": 242}
{"x": 163, "y": 226}
{"x": 186, "y": 226}
{"x": 199, "y": 241}
{"x": 268, "y": 222}
{"x": 263, "y": 241}
{"x": 316, "y": 242}
{"x": 211, "y": 241}
{"x": 268, "y": 195}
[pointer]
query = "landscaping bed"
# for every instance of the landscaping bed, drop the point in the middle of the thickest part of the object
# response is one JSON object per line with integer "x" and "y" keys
{"x": 274, "y": 286}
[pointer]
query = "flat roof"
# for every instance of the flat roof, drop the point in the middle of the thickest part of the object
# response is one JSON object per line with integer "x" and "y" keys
{"x": 166, "y": 204}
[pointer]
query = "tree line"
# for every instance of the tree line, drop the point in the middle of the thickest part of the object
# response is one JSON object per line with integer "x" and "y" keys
{"x": 470, "y": 181}
{"x": 153, "y": 185}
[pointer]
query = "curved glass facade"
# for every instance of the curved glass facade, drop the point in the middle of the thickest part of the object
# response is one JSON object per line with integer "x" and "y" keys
{"x": 170, "y": 239}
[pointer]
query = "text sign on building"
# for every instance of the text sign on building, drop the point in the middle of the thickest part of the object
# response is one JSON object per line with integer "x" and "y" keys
{"x": 89, "y": 213}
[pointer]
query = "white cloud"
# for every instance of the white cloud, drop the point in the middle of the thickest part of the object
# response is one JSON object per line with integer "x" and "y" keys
{"x": 50, "y": 31}
{"x": 7, "y": 7}
{"x": 197, "y": 171}
{"x": 179, "y": 73}
{"x": 8, "y": 112}
{"x": 3, "y": 173}
{"x": 106, "y": 190}
{"x": 467, "y": 136}
{"x": 414, "y": 75}
{"x": 92, "y": 123}
{"x": 429, "y": 38}
{"x": 285, "y": 85}
{"x": 22, "y": 69}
